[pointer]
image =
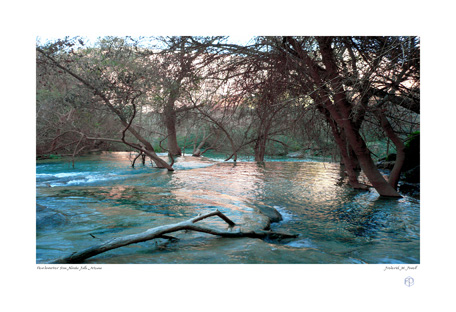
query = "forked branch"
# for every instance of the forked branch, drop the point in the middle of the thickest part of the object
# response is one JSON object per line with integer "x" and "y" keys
{"x": 161, "y": 231}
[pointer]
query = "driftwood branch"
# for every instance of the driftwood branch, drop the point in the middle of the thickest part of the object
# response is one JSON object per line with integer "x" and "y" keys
{"x": 161, "y": 231}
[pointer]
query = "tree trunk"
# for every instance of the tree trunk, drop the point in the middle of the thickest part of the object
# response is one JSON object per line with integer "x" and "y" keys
{"x": 340, "y": 111}
{"x": 349, "y": 159}
{"x": 362, "y": 153}
{"x": 149, "y": 150}
{"x": 170, "y": 122}
{"x": 260, "y": 148}
{"x": 395, "y": 173}
{"x": 173, "y": 146}
{"x": 199, "y": 152}
{"x": 350, "y": 162}
{"x": 197, "y": 149}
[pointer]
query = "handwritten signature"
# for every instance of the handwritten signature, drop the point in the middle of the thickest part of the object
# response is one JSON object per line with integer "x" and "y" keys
{"x": 400, "y": 268}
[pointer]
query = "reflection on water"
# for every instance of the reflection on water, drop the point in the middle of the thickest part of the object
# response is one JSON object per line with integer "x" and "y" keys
{"x": 103, "y": 197}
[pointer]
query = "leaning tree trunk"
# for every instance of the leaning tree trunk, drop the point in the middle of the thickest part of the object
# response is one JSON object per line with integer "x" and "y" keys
{"x": 362, "y": 153}
{"x": 197, "y": 148}
{"x": 349, "y": 159}
{"x": 395, "y": 173}
{"x": 340, "y": 111}
{"x": 149, "y": 150}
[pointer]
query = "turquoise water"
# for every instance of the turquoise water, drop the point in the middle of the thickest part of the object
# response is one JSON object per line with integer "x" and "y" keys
{"x": 104, "y": 197}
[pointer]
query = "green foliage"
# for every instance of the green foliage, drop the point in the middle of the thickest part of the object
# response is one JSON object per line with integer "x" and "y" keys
{"x": 412, "y": 138}
{"x": 48, "y": 156}
{"x": 157, "y": 148}
{"x": 275, "y": 148}
{"x": 378, "y": 148}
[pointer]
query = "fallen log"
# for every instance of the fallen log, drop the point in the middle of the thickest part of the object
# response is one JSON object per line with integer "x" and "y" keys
{"x": 161, "y": 231}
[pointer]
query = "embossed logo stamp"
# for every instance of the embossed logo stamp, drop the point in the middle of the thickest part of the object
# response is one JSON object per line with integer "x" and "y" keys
{"x": 409, "y": 281}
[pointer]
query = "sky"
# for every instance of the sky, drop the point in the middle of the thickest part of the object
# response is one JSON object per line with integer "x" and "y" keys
{"x": 235, "y": 39}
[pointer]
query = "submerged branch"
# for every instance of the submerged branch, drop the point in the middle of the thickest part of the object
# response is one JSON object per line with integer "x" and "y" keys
{"x": 161, "y": 231}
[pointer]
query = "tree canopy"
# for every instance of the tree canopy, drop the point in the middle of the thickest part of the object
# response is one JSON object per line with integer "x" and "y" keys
{"x": 347, "y": 97}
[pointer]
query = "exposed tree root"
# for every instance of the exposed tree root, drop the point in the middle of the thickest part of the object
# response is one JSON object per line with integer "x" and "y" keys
{"x": 161, "y": 231}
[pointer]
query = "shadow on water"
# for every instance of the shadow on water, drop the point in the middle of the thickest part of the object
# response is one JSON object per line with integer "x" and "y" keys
{"x": 103, "y": 197}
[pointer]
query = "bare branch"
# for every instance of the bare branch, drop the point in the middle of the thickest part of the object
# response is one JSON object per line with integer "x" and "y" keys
{"x": 79, "y": 257}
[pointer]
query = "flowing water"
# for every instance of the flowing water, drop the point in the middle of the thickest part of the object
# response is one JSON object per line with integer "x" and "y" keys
{"x": 104, "y": 197}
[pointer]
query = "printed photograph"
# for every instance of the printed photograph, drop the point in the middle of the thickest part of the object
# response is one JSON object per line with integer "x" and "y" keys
{"x": 228, "y": 150}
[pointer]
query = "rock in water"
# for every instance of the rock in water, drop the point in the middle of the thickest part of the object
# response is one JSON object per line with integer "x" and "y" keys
{"x": 271, "y": 213}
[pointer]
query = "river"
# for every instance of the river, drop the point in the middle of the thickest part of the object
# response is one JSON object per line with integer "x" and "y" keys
{"x": 104, "y": 197}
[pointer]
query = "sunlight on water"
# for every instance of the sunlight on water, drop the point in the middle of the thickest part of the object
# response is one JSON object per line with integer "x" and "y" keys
{"x": 104, "y": 197}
